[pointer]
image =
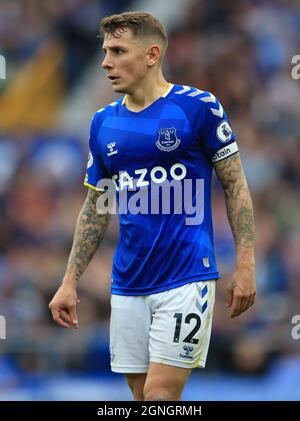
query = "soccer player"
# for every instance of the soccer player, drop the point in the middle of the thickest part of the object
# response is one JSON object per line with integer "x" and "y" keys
{"x": 164, "y": 270}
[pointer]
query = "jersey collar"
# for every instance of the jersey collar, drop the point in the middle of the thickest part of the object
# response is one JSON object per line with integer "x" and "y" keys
{"x": 170, "y": 87}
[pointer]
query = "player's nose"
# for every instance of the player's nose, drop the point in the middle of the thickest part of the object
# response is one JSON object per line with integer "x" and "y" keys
{"x": 106, "y": 63}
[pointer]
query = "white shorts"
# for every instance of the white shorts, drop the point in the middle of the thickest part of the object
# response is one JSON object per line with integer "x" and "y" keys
{"x": 171, "y": 327}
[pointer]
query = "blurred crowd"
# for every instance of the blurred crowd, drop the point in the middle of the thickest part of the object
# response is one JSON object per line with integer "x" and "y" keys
{"x": 25, "y": 25}
{"x": 241, "y": 51}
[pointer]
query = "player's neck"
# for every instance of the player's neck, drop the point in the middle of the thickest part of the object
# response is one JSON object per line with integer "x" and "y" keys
{"x": 147, "y": 93}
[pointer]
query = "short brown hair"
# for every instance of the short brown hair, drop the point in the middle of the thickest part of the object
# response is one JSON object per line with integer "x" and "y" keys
{"x": 142, "y": 24}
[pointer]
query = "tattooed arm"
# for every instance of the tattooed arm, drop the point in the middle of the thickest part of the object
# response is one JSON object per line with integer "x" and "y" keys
{"x": 241, "y": 290}
{"x": 89, "y": 233}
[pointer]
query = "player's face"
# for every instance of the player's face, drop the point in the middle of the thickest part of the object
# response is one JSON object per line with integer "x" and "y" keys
{"x": 125, "y": 61}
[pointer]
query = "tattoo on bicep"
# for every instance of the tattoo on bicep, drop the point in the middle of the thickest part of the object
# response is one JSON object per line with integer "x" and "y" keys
{"x": 238, "y": 199}
{"x": 229, "y": 172}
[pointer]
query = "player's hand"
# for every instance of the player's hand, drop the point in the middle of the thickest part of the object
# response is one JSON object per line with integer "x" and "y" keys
{"x": 241, "y": 291}
{"x": 63, "y": 307}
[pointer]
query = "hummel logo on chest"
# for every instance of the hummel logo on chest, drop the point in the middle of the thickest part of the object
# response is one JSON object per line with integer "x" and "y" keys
{"x": 112, "y": 151}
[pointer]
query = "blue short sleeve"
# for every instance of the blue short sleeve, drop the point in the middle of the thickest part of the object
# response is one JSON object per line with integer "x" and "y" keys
{"x": 218, "y": 138}
{"x": 95, "y": 168}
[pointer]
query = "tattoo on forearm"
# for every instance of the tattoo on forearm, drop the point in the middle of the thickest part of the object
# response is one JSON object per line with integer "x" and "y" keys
{"x": 238, "y": 200}
{"x": 89, "y": 233}
{"x": 245, "y": 225}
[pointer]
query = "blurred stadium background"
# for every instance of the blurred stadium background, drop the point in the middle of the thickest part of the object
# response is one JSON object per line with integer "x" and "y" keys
{"x": 239, "y": 50}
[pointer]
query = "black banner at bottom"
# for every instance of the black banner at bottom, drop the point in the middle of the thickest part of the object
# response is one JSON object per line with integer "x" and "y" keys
{"x": 128, "y": 410}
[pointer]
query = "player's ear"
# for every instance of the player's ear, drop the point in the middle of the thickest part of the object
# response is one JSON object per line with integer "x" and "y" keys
{"x": 153, "y": 55}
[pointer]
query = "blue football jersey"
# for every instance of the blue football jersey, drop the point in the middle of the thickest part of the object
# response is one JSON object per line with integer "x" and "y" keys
{"x": 176, "y": 139}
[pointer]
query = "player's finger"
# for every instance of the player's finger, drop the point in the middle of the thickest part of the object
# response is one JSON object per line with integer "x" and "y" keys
{"x": 251, "y": 301}
{"x": 236, "y": 305}
{"x": 66, "y": 317}
{"x": 57, "y": 318}
{"x": 244, "y": 304}
{"x": 73, "y": 316}
{"x": 229, "y": 296}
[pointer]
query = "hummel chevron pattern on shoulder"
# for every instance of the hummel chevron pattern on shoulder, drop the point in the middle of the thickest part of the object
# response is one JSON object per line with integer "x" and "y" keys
{"x": 112, "y": 104}
{"x": 217, "y": 109}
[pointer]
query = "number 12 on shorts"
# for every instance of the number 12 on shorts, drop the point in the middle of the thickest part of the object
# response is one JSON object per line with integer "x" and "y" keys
{"x": 190, "y": 337}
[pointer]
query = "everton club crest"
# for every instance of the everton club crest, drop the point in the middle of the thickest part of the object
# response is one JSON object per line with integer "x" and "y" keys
{"x": 167, "y": 140}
